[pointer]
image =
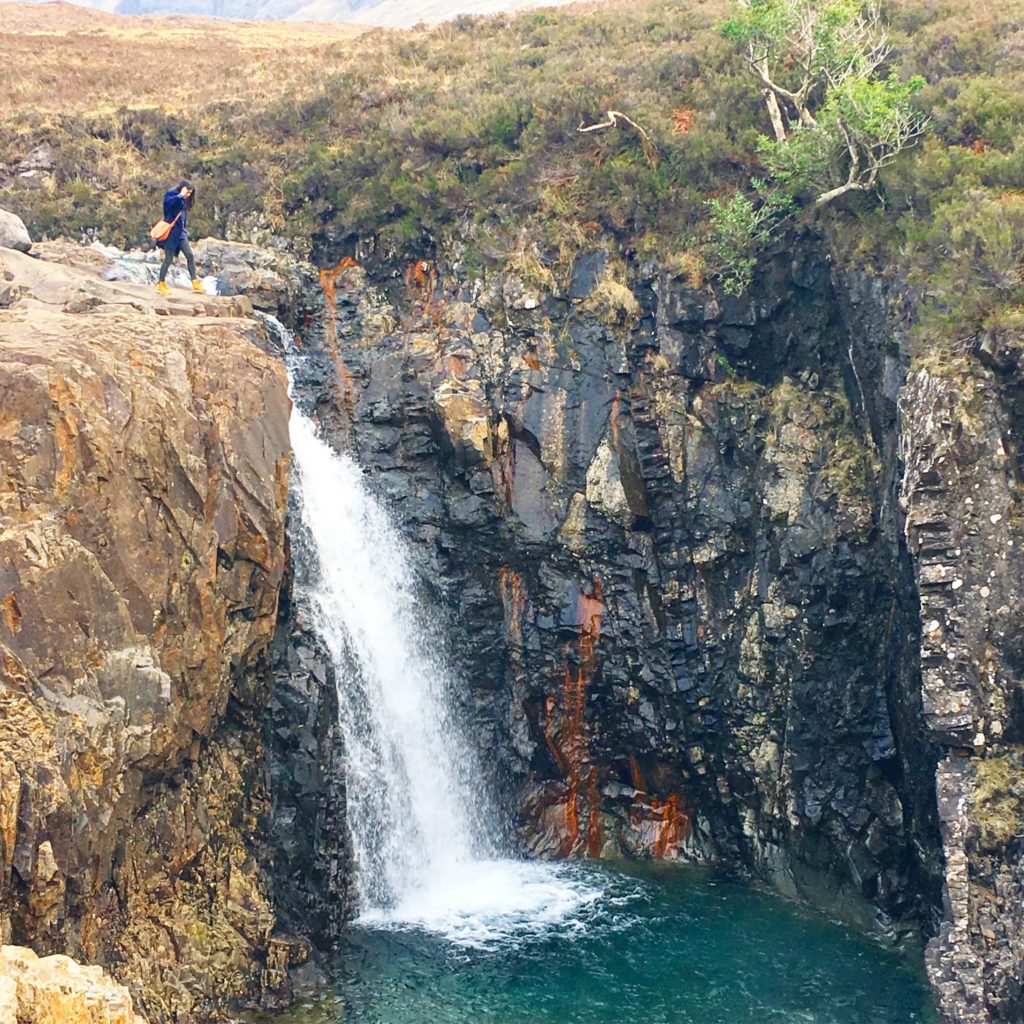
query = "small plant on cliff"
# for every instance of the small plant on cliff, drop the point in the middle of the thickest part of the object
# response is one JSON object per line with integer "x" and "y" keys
{"x": 999, "y": 800}
{"x": 612, "y": 301}
{"x": 837, "y": 120}
{"x": 740, "y": 227}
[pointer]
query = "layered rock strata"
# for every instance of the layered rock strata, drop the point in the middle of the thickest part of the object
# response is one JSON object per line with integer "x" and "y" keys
{"x": 963, "y": 442}
{"x": 665, "y": 522}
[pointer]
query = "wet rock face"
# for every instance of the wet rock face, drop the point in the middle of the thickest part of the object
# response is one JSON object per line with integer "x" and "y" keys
{"x": 311, "y": 855}
{"x": 962, "y": 443}
{"x": 143, "y": 483}
{"x": 661, "y": 522}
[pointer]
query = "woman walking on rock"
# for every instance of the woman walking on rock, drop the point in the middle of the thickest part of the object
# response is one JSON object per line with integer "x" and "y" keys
{"x": 177, "y": 202}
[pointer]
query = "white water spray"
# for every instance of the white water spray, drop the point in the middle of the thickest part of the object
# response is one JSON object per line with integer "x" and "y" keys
{"x": 417, "y": 810}
{"x": 412, "y": 808}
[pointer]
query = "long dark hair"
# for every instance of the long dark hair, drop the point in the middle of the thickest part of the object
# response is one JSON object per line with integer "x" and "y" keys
{"x": 192, "y": 190}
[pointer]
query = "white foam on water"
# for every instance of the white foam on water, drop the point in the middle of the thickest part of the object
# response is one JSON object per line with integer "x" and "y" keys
{"x": 494, "y": 903}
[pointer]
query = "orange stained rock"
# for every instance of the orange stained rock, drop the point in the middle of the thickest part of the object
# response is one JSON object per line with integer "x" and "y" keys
{"x": 513, "y": 598}
{"x": 572, "y": 817}
{"x": 329, "y": 278}
{"x": 329, "y": 283}
{"x": 568, "y": 737}
{"x": 660, "y": 825}
{"x": 345, "y": 383}
{"x": 421, "y": 280}
{"x": 346, "y": 386}
{"x": 505, "y": 467}
{"x": 673, "y": 828}
{"x": 12, "y": 613}
{"x": 639, "y": 782}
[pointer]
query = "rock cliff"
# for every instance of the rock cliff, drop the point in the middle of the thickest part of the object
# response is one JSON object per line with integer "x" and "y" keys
{"x": 728, "y": 580}
{"x": 143, "y": 486}
{"x": 673, "y": 540}
{"x": 962, "y": 445}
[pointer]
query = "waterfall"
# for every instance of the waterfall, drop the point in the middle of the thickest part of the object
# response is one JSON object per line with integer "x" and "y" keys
{"x": 417, "y": 809}
{"x": 412, "y": 795}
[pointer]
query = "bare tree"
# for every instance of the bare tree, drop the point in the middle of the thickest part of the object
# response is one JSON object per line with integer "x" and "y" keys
{"x": 612, "y": 119}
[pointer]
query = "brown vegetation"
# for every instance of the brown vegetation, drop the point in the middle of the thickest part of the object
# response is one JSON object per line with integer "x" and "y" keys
{"x": 60, "y": 58}
{"x": 465, "y": 136}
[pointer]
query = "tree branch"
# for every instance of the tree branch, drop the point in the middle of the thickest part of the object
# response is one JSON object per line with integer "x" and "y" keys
{"x": 613, "y": 119}
{"x": 842, "y": 190}
{"x": 796, "y": 99}
{"x": 775, "y": 113}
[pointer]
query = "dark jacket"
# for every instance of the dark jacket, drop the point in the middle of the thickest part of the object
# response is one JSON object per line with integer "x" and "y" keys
{"x": 173, "y": 206}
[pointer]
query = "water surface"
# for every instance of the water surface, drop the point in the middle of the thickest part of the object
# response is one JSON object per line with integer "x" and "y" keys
{"x": 583, "y": 944}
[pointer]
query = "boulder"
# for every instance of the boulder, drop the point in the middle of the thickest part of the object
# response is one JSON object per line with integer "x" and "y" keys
{"x": 13, "y": 233}
{"x": 41, "y": 990}
{"x": 271, "y": 280}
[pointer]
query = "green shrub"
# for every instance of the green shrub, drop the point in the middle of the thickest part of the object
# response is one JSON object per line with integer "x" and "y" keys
{"x": 740, "y": 229}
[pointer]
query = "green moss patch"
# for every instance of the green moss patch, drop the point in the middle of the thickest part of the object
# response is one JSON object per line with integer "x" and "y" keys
{"x": 999, "y": 799}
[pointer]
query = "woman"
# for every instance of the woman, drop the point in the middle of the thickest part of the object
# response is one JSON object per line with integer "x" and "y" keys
{"x": 177, "y": 203}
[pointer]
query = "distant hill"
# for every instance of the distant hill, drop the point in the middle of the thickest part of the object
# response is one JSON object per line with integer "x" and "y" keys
{"x": 392, "y": 13}
{"x": 400, "y": 13}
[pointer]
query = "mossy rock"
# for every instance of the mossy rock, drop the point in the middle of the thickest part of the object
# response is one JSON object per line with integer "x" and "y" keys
{"x": 999, "y": 799}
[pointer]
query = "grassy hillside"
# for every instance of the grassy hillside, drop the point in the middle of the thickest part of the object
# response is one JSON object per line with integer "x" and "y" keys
{"x": 60, "y": 58}
{"x": 466, "y": 134}
{"x": 409, "y": 134}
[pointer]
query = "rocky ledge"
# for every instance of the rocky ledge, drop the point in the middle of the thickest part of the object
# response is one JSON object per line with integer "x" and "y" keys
{"x": 143, "y": 489}
{"x": 46, "y": 990}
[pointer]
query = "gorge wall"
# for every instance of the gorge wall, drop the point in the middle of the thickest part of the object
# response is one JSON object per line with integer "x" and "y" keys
{"x": 713, "y": 572}
{"x": 725, "y": 578}
{"x": 672, "y": 546}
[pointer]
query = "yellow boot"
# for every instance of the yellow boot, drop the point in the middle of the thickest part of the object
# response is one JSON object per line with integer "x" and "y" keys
{"x": 162, "y": 288}
{"x": 197, "y": 285}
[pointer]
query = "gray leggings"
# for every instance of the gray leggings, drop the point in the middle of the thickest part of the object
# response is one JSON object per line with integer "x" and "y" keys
{"x": 170, "y": 253}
